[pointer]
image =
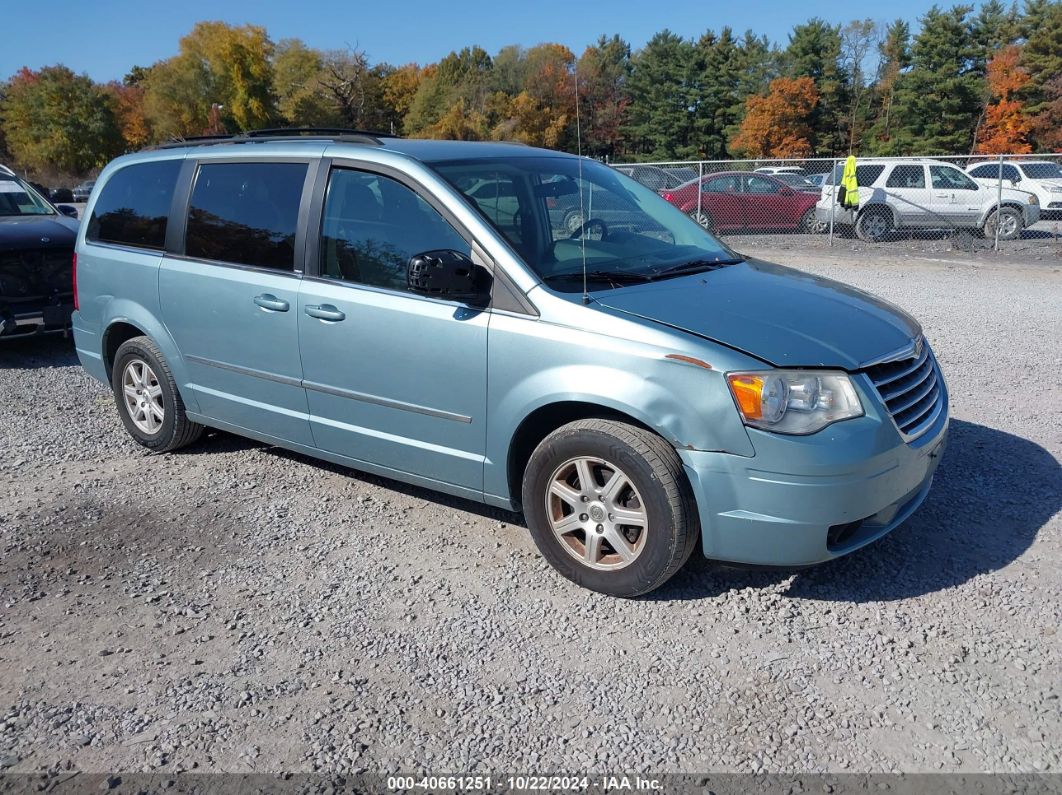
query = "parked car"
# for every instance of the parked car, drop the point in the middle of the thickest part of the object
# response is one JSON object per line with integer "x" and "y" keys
{"x": 781, "y": 170}
{"x": 657, "y": 178}
{"x": 816, "y": 179}
{"x": 36, "y": 253}
{"x": 84, "y": 190}
{"x": 1042, "y": 178}
{"x": 732, "y": 201}
{"x": 348, "y": 297}
{"x": 925, "y": 194}
{"x": 60, "y": 195}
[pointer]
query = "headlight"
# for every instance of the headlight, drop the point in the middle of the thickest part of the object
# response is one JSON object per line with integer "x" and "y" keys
{"x": 1055, "y": 189}
{"x": 794, "y": 401}
{"x": 1033, "y": 200}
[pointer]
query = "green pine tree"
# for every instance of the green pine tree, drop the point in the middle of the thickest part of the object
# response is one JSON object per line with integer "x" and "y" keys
{"x": 815, "y": 51}
{"x": 663, "y": 87}
{"x": 936, "y": 104}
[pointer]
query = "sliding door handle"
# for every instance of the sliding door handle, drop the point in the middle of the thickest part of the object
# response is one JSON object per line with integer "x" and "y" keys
{"x": 324, "y": 312}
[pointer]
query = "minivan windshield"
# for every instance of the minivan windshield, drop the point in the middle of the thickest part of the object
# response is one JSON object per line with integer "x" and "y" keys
{"x": 19, "y": 199}
{"x": 555, "y": 211}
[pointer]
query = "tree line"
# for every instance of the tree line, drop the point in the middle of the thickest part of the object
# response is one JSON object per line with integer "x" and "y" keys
{"x": 986, "y": 79}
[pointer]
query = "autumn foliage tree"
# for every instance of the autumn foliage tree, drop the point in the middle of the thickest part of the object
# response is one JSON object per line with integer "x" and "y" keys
{"x": 779, "y": 124}
{"x": 55, "y": 120}
{"x": 1006, "y": 127}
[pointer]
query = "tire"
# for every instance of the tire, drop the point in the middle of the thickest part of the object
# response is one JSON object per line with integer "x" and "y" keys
{"x": 1011, "y": 224}
{"x": 573, "y": 222}
{"x": 702, "y": 219}
{"x": 139, "y": 363}
{"x": 655, "y": 487}
{"x": 809, "y": 224}
{"x": 873, "y": 226}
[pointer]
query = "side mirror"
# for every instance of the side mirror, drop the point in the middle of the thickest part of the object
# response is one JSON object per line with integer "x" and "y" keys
{"x": 67, "y": 210}
{"x": 1015, "y": 180}
{"x": 786, "y": 191}
{"x": 447, "y": 274}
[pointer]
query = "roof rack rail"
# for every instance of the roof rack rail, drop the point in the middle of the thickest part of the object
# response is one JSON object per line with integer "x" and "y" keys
{"x": 280, "y": 134}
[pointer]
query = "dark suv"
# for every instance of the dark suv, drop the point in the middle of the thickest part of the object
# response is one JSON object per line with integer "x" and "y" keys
{"x": 36, "y": 259}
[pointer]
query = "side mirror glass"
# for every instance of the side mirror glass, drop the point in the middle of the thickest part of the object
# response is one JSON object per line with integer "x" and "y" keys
{"x": 446, "y": 273}
{"x": 67, "y": 210}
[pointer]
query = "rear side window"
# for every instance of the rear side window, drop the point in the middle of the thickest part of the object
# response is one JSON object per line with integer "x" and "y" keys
{"x": 865, "y": 175}
{"x": 907, "y": 177}
{"x": 246, "y": 213}
{"x": 868, "y": 175}
{"x": 134, "y": 205}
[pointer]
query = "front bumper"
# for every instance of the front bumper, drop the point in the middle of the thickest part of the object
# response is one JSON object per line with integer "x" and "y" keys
{"x": 802, "y": 500}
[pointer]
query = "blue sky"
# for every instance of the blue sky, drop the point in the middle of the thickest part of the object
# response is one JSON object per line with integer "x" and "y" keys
{"x": 105, "y": 37}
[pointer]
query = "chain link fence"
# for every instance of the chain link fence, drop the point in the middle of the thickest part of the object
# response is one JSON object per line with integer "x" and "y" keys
{"x": 978, "y": 201}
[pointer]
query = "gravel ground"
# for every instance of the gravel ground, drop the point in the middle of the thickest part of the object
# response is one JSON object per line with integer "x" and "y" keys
{"x": 238, "y": 608}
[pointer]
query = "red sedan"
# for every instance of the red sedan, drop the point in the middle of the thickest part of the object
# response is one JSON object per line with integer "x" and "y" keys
{"x": 734, "y": 201}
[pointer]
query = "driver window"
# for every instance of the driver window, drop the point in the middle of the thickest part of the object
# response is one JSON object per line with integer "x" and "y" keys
{"x": 721, "y": 185}
{"x": 373, "y": 225}
{"x": 948, "y": 178}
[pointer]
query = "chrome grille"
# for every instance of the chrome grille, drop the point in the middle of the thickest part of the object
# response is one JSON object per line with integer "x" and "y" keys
{"x": 912, "y": 390}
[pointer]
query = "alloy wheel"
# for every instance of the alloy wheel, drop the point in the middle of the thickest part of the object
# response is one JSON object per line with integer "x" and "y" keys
{"x": 143, "y": 396}
{"x": 596, "y": 513}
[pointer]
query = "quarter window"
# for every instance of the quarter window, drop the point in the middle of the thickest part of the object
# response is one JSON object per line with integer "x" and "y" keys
{"x": 134, "y": 205}
{"x": 907, "y": 177}
{"x": 246, "y": 213}
{"x": 373, "y": 225}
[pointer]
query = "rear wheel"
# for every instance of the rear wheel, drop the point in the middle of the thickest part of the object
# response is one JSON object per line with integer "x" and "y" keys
{"x": 702, "y": 219}
{"x": 573, "y": 222}
{"x": 873, "y": 226}
{"x": 148, "y": 401}
{"x": 609, "y": 507}
{"x": 809, "y": 224}
{"x": 1010, "y": 224}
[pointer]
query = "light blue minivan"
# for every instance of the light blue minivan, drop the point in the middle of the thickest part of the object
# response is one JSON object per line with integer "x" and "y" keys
{"x": 525, "y": 328}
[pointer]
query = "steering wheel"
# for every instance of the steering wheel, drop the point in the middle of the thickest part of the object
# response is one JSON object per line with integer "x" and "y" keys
{"x": 586, "y": 226}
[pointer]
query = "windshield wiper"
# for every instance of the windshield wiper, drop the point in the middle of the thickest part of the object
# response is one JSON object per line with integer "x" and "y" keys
{"x": 618, "y": 277}
{"x": 694, "y": 266}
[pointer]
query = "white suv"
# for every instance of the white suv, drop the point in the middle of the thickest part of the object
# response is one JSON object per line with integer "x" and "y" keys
{"x": 925, "y": 194}
{"x": 781, "y": 170}
{"x": 1041, "y": 177}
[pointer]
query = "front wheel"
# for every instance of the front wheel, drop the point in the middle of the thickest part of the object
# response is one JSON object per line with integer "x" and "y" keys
{"x": 609, "y": 506}
{"x": 148, "y": 401}
{"x": 1010, "y": 224}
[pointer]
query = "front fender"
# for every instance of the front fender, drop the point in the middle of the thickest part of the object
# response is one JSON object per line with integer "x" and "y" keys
{"x": 533, "y": 364}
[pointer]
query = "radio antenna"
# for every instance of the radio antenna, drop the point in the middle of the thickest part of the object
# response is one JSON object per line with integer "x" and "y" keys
{"x": 579, "y": 152}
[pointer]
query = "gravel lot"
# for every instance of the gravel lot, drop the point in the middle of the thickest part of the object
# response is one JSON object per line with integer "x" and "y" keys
{"x": 238, "y": 608}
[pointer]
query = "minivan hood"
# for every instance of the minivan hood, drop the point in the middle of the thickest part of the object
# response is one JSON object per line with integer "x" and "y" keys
{"x": 785, "y": 317}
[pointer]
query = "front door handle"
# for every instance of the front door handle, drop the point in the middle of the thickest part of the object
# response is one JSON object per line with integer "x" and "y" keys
{"x": 271, "y": 302}
{"x": 324, "y": 312}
